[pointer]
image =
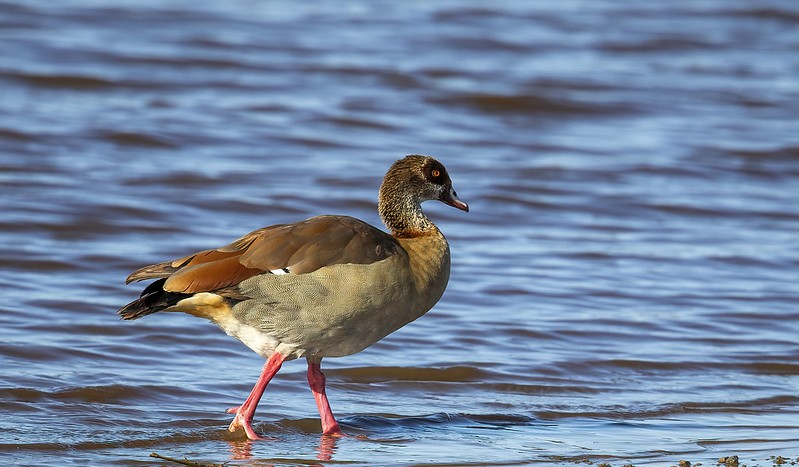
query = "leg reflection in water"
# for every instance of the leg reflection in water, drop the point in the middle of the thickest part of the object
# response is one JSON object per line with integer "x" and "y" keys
{"x": 327, "y": 447}
{"x": 242, "y": 450}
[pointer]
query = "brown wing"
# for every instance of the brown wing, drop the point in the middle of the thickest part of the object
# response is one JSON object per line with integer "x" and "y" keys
{"x": 298, "y": 248}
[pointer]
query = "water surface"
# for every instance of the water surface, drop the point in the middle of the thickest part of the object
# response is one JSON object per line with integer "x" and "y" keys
{"x": 624, "y": 289}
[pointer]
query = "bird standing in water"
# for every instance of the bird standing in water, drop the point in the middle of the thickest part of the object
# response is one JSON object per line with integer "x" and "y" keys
{"x": 328, "y": 286}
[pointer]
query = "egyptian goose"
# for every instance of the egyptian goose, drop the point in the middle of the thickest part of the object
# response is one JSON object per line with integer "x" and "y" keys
{"x": 327, "y": 286}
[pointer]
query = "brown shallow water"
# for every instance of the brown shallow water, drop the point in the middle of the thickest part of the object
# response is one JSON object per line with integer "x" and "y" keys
{"x": 625, "y": 289}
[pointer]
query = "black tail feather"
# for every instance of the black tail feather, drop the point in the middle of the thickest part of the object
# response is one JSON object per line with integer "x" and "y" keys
{"x": 152, "y": 300}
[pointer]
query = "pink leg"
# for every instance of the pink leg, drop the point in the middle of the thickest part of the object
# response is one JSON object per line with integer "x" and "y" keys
{"x": 316, "y": 380}
{"x": 245, "y": 411}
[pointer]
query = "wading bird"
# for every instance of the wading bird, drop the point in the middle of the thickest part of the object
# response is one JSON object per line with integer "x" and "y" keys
{"x": 328, "y": 286}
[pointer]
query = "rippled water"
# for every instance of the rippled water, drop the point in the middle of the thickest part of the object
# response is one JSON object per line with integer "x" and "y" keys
{"x": 625, "y": 289}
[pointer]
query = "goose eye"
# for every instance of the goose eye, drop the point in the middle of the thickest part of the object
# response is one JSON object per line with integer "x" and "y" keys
{"x": 436, "y": 173}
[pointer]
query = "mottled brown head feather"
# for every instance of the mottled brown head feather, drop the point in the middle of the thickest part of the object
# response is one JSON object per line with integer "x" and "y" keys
{"x": 408, "y": 182}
